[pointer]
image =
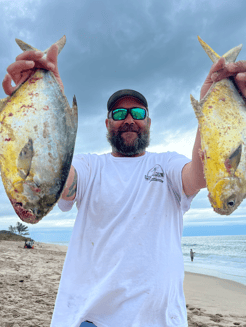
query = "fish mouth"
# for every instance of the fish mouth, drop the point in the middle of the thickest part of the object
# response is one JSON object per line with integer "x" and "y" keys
{"x": 25, "y": 215}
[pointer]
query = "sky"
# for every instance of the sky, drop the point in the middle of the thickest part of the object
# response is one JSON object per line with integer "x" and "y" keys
{"x": 148, "y": 46}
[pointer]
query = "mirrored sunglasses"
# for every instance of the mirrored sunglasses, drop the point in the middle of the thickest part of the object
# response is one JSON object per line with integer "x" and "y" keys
{"x": 121, "y": 113}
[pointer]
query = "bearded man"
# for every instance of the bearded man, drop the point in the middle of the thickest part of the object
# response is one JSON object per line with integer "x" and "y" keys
{"x": 124, "y": 264}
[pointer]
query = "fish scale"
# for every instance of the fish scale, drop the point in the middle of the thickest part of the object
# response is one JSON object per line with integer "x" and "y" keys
{"x": 37, "y": 138}
{"x": 221, "y": 116}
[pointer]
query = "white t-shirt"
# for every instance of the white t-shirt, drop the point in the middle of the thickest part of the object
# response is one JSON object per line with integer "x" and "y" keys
{"x": 124, "y": 265}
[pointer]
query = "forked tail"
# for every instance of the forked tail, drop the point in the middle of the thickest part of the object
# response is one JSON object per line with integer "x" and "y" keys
{"x": 229, "y": 56}
{"x": 26, "y": 47}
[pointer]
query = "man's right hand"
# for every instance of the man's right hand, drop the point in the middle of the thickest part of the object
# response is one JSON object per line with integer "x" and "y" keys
{"x": 27, "y": 63}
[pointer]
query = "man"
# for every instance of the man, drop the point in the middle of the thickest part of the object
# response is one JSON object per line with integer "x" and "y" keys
{"x": 192, "y": 254}
{"x": 124, "y": 265}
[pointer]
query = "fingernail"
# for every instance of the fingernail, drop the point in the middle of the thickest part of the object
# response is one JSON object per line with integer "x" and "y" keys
{"x": 214, "y": 76}
{"x": 39, "y": 52}
{"x": 29, "y": 63}
{"x": 50, "y": 65}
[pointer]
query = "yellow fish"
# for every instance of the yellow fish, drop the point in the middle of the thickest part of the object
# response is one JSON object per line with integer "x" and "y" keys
{"x": 37, "y": 138}
{"x": 221, "y": 116}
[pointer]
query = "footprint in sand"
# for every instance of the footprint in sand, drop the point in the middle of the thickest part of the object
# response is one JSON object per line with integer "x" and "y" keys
{"x": 215, "y": 318}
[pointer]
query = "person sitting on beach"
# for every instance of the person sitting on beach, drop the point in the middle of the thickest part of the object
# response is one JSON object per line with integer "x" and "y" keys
{"x": 192, "y": 254}
{"x": 29, "y": 244}
{"x": 124, "y": 264}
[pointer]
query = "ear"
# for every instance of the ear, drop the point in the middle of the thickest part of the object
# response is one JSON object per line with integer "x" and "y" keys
{"x": 106, "y": 122}
{"x": 149, "y": 121}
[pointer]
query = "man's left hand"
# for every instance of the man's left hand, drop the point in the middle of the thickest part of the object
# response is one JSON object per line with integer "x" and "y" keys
{"x": 221, "y": 69}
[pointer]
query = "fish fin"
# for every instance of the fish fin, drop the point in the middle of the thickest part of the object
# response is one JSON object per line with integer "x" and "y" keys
{"x": 74, "y": 113}
{"x": 25, "y": 159}
{"x": 196, "y": 106}
{"x": 75, "y": 106}
{"x": 230, "y": 56}
{"x": 3, "y": 102}
{"x": 60, "y": 43}
{"x": 209, "y": 51}
{"x": 26, "y": 47}
{"x": 233, "y": 161}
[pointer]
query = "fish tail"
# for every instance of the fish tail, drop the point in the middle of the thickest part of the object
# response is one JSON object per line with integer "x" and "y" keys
{"x": 27, "y": 47}
{"x": 229, "y": 56}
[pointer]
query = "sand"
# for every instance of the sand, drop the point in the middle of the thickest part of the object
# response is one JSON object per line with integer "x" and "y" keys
{"x": 29, "y": 280}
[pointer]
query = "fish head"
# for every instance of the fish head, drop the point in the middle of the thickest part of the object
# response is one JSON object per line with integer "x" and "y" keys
{"x": 226, "y": 195}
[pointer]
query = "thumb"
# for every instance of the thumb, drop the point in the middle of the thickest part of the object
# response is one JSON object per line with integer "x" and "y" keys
{"x": 220, "y": 64}
{"x": 52, "y": 54}
{"x": 216, "y": 67}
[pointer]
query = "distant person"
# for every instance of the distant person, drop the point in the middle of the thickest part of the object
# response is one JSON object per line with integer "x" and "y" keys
{"x": 124, "y": 264}
{"x": 192, "y": 254}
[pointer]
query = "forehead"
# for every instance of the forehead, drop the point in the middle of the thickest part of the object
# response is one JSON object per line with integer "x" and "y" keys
{"x": 127, "y": 102}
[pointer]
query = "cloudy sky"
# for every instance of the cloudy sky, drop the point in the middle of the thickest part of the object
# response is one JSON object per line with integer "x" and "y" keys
{"x": 147, "y": 45}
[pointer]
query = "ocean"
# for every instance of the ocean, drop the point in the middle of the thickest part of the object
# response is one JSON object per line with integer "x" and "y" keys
{"x": 222, "y": 256}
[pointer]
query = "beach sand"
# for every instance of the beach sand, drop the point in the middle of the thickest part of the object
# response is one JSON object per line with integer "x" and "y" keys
{"x": 29, "y": 280}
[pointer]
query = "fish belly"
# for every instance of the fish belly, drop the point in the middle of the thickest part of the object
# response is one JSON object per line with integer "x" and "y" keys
{"x": 38, "y": 112}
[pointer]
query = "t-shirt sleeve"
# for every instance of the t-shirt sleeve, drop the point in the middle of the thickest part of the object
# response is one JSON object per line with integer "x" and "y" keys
{"x": 82, "y": 167}
{"x": 175, "y": 165}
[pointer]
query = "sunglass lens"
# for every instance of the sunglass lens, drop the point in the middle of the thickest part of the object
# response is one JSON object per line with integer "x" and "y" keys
{"x": 119, "y": 114}
{"x": 138, "y": 113}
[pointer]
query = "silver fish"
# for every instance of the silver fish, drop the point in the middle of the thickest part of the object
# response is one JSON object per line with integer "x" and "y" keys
{"x": 37, "y": 138}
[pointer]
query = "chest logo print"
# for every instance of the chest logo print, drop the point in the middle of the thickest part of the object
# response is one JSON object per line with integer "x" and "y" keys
{"x": 155, "y": 174}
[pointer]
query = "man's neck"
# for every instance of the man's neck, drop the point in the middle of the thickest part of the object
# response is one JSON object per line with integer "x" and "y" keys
{"x": 117, "y": 154}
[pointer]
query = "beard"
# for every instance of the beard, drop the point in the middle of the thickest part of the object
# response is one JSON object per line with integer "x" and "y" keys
{"x": 118, "y": 143}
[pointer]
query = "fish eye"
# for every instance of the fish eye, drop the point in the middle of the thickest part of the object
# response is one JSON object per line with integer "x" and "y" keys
{"x": 231, "y": 203}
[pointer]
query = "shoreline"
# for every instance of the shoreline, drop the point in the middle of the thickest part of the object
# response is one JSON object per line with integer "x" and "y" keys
{"x": 216, "y": 300}
{"x": 29, "y": 281}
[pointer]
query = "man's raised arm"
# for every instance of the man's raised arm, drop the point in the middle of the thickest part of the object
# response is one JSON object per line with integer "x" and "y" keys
{"x": 69, "y": 191}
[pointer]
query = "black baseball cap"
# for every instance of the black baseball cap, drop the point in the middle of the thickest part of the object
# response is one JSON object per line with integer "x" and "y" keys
{"x": 123, "y": 93}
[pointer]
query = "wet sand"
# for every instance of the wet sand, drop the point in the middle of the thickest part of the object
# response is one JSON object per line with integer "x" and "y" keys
{"x": 29, "y": 281}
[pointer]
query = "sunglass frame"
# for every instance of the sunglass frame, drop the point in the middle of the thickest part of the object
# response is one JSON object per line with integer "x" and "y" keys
{"x": 129, "y": 111}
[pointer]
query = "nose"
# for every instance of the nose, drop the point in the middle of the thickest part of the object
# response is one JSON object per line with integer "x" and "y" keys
{"x": 129, "y": 120}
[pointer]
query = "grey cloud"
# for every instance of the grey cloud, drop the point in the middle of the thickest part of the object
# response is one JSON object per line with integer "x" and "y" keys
{"x": 150, "y": 46}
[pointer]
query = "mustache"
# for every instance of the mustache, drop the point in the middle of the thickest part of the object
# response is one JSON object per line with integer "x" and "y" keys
{"x": 128, "y": 128}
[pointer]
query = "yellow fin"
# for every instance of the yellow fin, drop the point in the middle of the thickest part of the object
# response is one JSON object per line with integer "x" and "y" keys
{"x": 234, "y": 159}
{"x": 230, "y": 56}
{"x": 25, "y": 159}
{"x": 197, "y": 107}
{"x": 2, "y": 103}
{"x": 209, "y": 51}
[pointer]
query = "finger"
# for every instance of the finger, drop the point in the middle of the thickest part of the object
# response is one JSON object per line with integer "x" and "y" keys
{"x": 19, "y": 66}
{"x": 241, "y": 77}
{"x": 242, "y": 87}
{"x": 237, "y": 67}
{"x": 30, "y": 55}
{"x": 217, "y": 76}
{"x": 8, "y": 88}
{"x": 219, "y": 65}
{"x": 52, "y": 54}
